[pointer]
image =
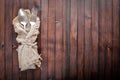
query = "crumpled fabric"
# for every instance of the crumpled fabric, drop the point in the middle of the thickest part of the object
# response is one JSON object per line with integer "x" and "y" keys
{"x": 28, "y": 55}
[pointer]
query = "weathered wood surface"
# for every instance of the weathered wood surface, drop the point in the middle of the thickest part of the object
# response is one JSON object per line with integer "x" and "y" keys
{"x": 79, "y": 40}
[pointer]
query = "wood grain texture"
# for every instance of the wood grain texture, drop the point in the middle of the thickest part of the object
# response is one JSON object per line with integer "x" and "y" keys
{"x": 102, "y": 39}
{"x": 88, "y": 39}
{"x": 81, "y": 39}
{"x": 58, "y": 45}
{"x": 2, "y": 42}
{"x": 108, "y": 21}
{"x": 116, "y": 40}
{"x": 14, "y": 44}
{"x": 78, "y": 40}
{"x": 8, "y": 40}
{"x": 64, "y": 40}
{"x": 51, "y": 39}
{"x": 44, "y": 37}
{"x": 95, "y": 35}
{"x": 37, "y": 72}
{"x": 68, "y": 6}
{"x": 73, "y": 40}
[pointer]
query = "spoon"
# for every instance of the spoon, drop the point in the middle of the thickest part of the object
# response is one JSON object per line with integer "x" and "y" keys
{"x": 22, "y": 17}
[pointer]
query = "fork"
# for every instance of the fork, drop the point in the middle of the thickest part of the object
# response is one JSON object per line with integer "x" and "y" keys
{"x": 33, "y": 16}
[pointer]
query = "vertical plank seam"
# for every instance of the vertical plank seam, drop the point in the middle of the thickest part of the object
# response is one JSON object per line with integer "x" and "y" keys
{"x": 40, "y": 35}
{"x": 4, "y": 40}
{"x": 54, "y": 38}
{"x": 119, "y": 35}
{"x": 98, "y": 39}
{"x": 62, "y": 44}
{"x": 17, "y": 53}
{"x": 112, "y": 41}
{"x": 47, "y": 37}
{"x": 84, "y": 45}
{"x": 77, "y": 44}
{"x": 106, "y": 43}
{"x": 91, "y": 42}
{"x": 12, "y": 40}
{"x": 68, "y": 41}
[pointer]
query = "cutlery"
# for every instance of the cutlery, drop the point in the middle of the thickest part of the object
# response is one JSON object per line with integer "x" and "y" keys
{"x": 22, "y": 17}
{"x": 33, "y": 16}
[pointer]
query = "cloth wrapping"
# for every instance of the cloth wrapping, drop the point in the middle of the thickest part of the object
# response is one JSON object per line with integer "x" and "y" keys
{"x": 28, "y": 56}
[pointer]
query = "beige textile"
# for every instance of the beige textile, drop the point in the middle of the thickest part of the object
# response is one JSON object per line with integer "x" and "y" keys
{"x": 28, "y": 56}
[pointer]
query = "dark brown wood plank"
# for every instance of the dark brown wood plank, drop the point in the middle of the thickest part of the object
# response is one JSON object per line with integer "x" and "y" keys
{"x": 51, "y": 39}
{"x": 58, "y": 36}
{"x": 102, "y": 39}
{"x": 73, "y": 40}
{"x": 94, "y": 73}
{"x": 64, "y": 41}
{"x": 116, "y": 40}
{"x": 88, "y": 39}
{"x": 23, "y": 4}
{"x": 44, "y": 37}
{"x": 23, "y": 75}
{"x": 30, "y": 74}
{"x": 2, "y": 45}
{"x": 81, "y": 39}
{"x": 30, "y": 4}
{"x": 14, "y": 44}
{"x": 108, "y": 39}
{"x": 8, "y": 40}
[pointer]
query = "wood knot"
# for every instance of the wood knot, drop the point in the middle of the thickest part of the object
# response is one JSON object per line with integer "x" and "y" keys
{"x": 2, "y": 45}
{"x": 88, "y": 17}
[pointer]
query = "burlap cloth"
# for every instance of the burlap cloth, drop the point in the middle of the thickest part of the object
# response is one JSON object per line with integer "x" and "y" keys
{"x": 28, "y": 56}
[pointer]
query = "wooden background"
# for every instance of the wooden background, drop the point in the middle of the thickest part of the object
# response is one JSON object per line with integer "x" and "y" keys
{"x": 79, "y": 40}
